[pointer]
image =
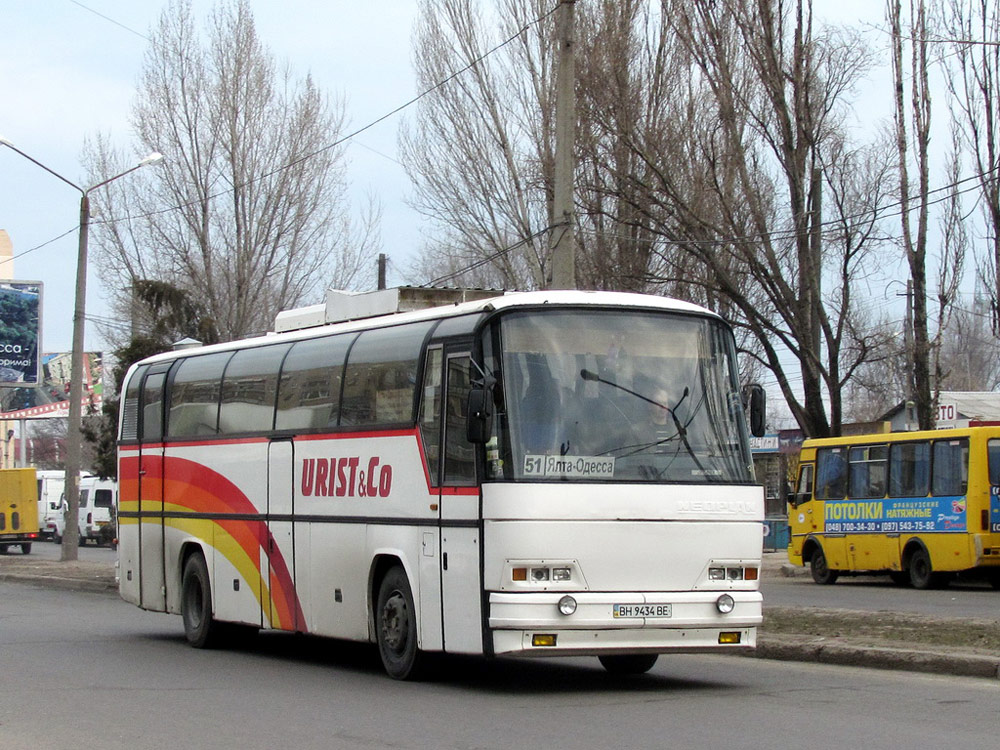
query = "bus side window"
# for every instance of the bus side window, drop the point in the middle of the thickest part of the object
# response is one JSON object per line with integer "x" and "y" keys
{"x": 804, "y": 489}
{"x": 430, "y": 413}
{"x": 151, "y": 408}
{"x": 909, "y": 469}
{"x": 950, "y": 475}
{"x": 868, "y": 464}
{"x": 993, "y": 454}
{"x": 831, "y": 474}
{"x": 459, "y": 453}
{"x": 194, "y": 395}
{"x": 249, "y": 388}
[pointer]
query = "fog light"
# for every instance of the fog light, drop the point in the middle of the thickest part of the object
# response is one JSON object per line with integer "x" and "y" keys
{"x": 543, "y": 640}
{"x": 567, "y": 605}
{"x": 725, "y": 604}
{"x": 539, "y": 574}
{"x": 730, "y": 638}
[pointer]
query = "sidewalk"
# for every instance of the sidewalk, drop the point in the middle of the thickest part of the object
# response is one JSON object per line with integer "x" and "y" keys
{"x": 840, "y": 648}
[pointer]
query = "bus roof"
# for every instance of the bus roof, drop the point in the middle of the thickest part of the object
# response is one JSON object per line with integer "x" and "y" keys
{"x": 512, "y": 300}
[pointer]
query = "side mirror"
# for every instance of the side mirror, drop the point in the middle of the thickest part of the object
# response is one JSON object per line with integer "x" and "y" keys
{"x": 754, "y": 403}
{"x": 479, "y": 425}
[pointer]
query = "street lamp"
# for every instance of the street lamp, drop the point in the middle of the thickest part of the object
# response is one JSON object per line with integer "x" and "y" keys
{"x": 74, "y": 436}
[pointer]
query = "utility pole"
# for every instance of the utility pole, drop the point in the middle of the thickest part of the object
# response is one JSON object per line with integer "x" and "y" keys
{"x": 562, "y": 240}
{"x": 381, "y": 271}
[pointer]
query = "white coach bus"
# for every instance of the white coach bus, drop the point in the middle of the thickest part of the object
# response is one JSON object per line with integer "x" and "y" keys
{"x": 537, "y": 474}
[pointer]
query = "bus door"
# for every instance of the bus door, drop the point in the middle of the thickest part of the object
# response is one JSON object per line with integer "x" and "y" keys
{"x": 281, "y": 608}
{"x": 452, "y": 465}
{"x": 152, "y": 577}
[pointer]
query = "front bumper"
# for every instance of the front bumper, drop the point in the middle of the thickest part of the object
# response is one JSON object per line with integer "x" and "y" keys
{"x": 695, "y": 624}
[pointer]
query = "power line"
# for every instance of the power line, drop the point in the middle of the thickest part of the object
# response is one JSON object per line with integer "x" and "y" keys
{"x": 490, "y": 258}
{"x": 39, "y": 247}
{"x": 109, "y": 19}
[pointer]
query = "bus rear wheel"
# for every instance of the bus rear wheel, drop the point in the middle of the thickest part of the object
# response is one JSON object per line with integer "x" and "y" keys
{"x": 396, "y": 626}
{"x": 922, "y": 575}
{"x": 200, "y": 628}
{"x": 820, "y": 569}
{"x": 626, "y": 664}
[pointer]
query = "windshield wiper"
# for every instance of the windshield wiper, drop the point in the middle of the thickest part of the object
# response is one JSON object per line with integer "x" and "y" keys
{"x": 681, "y": 428}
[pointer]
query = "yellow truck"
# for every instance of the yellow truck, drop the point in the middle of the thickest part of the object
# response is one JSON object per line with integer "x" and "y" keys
{"x": 18, "y": 509}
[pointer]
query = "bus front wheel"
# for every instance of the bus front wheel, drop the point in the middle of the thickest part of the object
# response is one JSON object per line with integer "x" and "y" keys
{"x": 820, "y": 569}
{"x": 626, "y": 664}
{"x": 200, "y": 628}
{"x": 396, "y": 626}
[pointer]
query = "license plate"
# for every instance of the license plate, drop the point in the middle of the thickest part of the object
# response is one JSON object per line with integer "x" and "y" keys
{"x": 642, "y": 610}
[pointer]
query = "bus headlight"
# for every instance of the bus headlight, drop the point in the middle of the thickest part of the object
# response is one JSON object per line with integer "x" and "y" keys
{"x": 567, "y": 605}
{"x": 725, "y": 604}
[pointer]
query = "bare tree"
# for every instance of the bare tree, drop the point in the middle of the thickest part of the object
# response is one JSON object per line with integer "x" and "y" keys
{"x": 912, "y": 122}
{"x": 249, "y": 213}
{"x": 708, "y": 131}
{"x": 481, "y": 151}
{"x": 970, "y": 351}
{"x": 973, "y": 63}
{"x": 743, "y": 199}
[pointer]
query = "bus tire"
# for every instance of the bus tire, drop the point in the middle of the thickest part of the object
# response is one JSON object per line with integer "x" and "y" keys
{"x": 820, "y": 570}
{"x": 627, "y": 664}
{"x": 200, "y": 628}
{"x": 26, "y": 548}
{"x": 922, "y": 575}
{"x": 396, "y": 626}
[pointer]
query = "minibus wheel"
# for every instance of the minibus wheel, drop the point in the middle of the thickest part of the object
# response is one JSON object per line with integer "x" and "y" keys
{"x": 396, "y": 626}
{"x": 820, "y": 570}
{"x": 922, "y": 575}
{"x": 625, "y": 664}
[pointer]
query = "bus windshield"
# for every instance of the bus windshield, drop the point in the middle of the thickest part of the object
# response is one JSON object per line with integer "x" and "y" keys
{"x": 620, "y": 395}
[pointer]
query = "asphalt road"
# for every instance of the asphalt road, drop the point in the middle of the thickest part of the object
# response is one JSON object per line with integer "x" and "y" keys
{"x": 87, "y": 670}
{"x": 878, "y": 593}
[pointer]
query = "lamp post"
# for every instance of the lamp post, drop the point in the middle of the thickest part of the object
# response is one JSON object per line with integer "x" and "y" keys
{"x": 74, "y": 436}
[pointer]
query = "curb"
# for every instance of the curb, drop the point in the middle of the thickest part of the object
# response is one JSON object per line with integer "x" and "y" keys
{"x": 100, "y": 584}
{"x": 80, "y": 582}
{"x": 877, "y": 657}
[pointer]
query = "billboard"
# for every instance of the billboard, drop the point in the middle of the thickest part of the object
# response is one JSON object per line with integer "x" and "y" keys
{"x": 50, "y": 398}
{"x": 20, "y": 333}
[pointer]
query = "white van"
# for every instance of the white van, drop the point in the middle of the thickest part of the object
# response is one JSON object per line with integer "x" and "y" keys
{"x": 98, "y": 511}
{"x": 50, "y": 500}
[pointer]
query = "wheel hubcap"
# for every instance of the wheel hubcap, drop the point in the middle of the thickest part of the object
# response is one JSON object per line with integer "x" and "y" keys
{"x": 394, "y": 622}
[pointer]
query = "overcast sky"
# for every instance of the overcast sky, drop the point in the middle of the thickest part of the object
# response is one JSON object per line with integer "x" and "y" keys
{"x": 68, "y": 70}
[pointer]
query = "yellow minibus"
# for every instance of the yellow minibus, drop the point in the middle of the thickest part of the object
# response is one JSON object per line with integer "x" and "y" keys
{"x": 920, "y": 506}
